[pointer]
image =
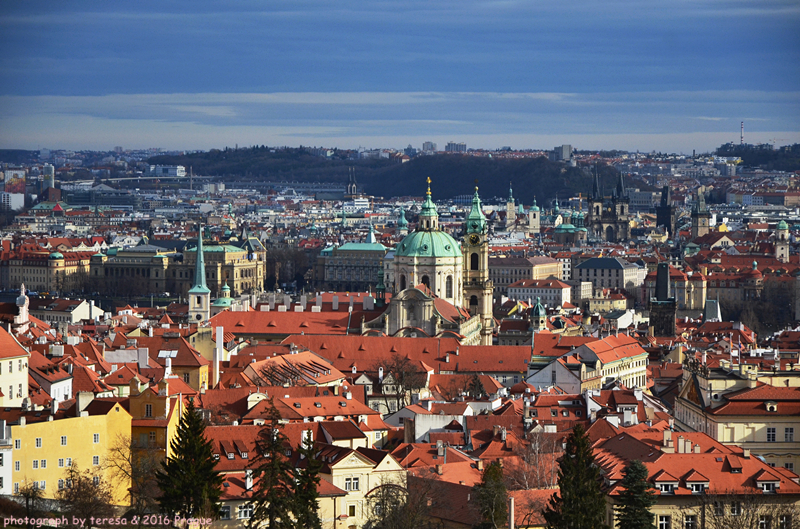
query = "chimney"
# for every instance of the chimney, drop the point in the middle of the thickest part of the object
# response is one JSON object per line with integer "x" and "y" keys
{"x": 440, "y": 450}
{"x": 746, "y": 453}
{"x": 248, "y": 479}
{"x": 688, "y": 449}
{"x": 335, "y": 304}
{"x": 218, "y": 353}
{"x": 22, "y": 420}
{"x": 480, "y": 465}
{"x": 167, "y": 367}
{"x": 503, "y": 434}
{"x": 680, "y": 444}
{"x": 348, "y": 396}
{"x": 82, "y": 400}
{"x": 696, "y": 449}
{"x": 511, "y": 512}
{"x": 53, "y": 407}
{"x": 447, "y": 358}
{"x": 439, "y": 469}
{"x": 667, "y": 436}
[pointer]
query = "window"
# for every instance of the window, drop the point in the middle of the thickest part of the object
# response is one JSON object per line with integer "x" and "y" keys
{"x": 785, "y": 521}
{"x": 697, "y": 488}
{"x": 16, "y": 488}
{"x": 95, "y": 460}
{"x": 351, "y": 510}
{"x": 186, "y": 377}
{"x": 245, "y": 512}
{"x": 225, "y": 512}
{"x": 96, "y": 480}
{"x": 788, "y": 435}
{"x": 61, "y": 463}
{"x": 771, "y": 435}
{"x": 665, "y": 488}
{"x": 43, "y": 463}
{"x": 60, "y": 484}
{"x": 96, "y": 438}
{"x": 17, "y": 444}
{"x": 350, "y": 483}
{"x": 769, "y": 487}
{"x": 16, "y": 466}
{"x": 690, "y": 521}
{"x": 42, "y": 485}
{"x": 789, "y": 466}
{"x": 35, "y": 463}
{"x": 148, "y": 410}
{"x": 764, "y": 521}
{"x": 736, "y": 508}
{"x": 152, "y": 438}
{"x": 665, "y": 522}
{"x": 39, "y": 442}
{"x": 63, "y": 440}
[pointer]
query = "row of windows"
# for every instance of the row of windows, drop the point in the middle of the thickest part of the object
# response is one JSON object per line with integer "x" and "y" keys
{"x": 788, "y": 435}
{"x": 690, "y": 521}
{"x": 39, "y": 444}
{"x": 62, "y": 462}
{"x": 11, "y": 366}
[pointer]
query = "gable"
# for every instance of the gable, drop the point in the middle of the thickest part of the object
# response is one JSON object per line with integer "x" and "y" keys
{"x": 354, "y": 460}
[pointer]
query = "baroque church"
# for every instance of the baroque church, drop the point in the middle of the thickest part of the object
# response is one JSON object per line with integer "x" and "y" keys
{"x": 441, "y": 287}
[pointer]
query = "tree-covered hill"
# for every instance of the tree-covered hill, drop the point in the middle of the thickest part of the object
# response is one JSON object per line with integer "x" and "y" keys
{"x": 451, "y": 175}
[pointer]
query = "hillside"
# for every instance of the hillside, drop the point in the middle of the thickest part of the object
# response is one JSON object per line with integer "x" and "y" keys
{"x": 450, "y": 175}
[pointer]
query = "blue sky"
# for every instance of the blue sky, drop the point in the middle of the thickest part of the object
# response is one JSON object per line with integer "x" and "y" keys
{"x": 669, "y": 75}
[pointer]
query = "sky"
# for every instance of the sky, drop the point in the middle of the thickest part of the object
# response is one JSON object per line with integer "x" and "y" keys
{"x": 664, "y": 75}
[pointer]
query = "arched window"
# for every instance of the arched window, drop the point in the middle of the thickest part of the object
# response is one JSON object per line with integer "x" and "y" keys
{"x": 200, "y": 300}
{"x": 402, "y": 282}
{"x": 473, "y": 261}
{"x": 448, "y": 287}
{"x": 426, "y": 281}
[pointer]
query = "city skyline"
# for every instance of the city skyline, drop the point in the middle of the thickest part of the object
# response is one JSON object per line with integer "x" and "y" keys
{"x": 661, "y": 76}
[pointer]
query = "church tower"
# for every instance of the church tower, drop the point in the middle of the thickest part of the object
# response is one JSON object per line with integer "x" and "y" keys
{"x": 538, "y": 317}
{"x": 782, "y": 242}
{"x": 534, "y": 219}
{"x": 199, "y": 294}
{"x": 701, "y": 218}
{"x": 511, "y": 210}
{"x": 478, "y": 287}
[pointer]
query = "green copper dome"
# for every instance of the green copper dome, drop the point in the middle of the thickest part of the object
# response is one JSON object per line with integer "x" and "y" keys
{"x": 428, "y": 244}
{"x": 401, "y": 221}
{"x": 782, "y": 225}
{"x": 565, "y": 227}
{"x": 538, "y": 309}
{"x": 56, "y": 255}
{"x": 534, "y": 207}
{"x": 476, "y": 221}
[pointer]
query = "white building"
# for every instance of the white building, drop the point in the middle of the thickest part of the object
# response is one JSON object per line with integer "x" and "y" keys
{"x": 552, "y": 292}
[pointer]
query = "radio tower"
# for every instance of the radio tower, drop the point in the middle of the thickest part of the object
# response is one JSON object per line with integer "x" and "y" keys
{"x": 741, "y": 135}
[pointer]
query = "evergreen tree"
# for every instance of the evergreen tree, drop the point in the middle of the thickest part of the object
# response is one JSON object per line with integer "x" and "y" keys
{"x": 273, "y": 475}
{"x": 491, "y": 496}
{"x": 636, "y": 498}
{"x": 306, "y": 479}
{"x": 190, "y": 487}
{"x": 580, "y": 503}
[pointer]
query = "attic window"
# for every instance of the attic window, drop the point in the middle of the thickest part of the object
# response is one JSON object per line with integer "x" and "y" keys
{"x": 216, "y": 457}
{"x": 230, "y": 455}
{"x": 297, "y": 405}
{"x": 317, "y": 404}
{"x": 343, "y": 404}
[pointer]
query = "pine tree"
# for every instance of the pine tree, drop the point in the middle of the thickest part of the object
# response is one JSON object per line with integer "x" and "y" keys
{"x": 273, "y": 490}
{"x": 491, "y": 496}
{"x": 580, "y": 503}
{"x": 636, "y": 498}
{"x": 190, "y": 487}
{"x": 306, "y": 479}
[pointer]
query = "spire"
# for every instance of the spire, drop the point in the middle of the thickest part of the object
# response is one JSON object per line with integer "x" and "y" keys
{"x": 620, "y": 186}
{"x": 596, "y": 185}
{"x": 476, "y": 220}
{"x": 371, "y": 235}
{"x": 510, "y": 193}
{"x": 200, "y": 267}
{"x": 428, "y": 216}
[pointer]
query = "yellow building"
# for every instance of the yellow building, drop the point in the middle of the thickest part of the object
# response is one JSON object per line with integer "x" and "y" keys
{"x": 49, "y": 272}
{"x": 13, "y": 369}
{"x": 156, "y": 413}
{"x": 738, "y": 405}
{"x": 45, "y": 444}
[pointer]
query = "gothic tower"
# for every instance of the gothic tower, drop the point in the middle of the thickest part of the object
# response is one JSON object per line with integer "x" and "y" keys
{"x": 665, "y": 213}
{"x": 478, "y": 287}
{"x": 534, "y": 219}
{"x": 701, "y": 218}
{"x": 199, "y": 294}
{"x": 511, "y": 210}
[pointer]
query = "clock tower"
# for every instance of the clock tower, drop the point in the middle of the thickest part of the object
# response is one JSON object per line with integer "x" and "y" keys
{"x": 478, "y": 288}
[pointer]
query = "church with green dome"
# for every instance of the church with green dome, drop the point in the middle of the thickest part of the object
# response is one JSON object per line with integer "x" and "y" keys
{"x": 441, "y": 286}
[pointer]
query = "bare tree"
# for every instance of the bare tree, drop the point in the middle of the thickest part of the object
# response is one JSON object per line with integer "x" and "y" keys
{"x": 536, "y": 464}
{"x": 743, "y": 510}
{"x": 131, "y": 464}
{"x": 85, "y": 494}
{"x": 402, "y": 377}
{"x": 31, "y": 495}
{"x": 280, "y": 372}
{"x": 406, "y": 504}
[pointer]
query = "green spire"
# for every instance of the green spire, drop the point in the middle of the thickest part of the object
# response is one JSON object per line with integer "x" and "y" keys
{"x": 402, "y": 223}
{"x": 428, "y": 216}
{"x": 510, "y": 193}
{"x": 199, "y": 286}
{"x": 476, "y": 221}
{"x": 534, "y": 207}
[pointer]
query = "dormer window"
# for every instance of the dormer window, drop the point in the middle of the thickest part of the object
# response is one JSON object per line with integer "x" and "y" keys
{"x": 666, "y": 488}
{"x": 697, "y": 488}
{"x": 772, "y": 406}
{"x": 768, "y": 487}
{"x": 230, "y": 455}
